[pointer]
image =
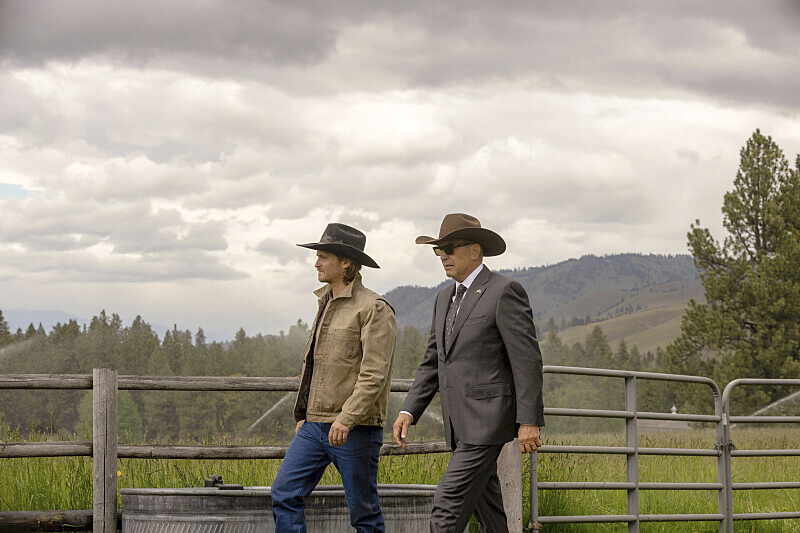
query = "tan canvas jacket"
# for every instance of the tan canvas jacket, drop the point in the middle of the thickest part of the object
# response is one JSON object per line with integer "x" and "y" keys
{"x": 346, "y": 376}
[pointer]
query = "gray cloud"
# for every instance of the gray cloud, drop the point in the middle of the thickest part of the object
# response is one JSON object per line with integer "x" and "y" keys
{"x": 61, "y": 242}
{"x": 282, "y": 250}
{"x": 150, "y": 237}
{"x": 85, "y": 266}
{"x": 720, "y": 49}
{"x": 730, "y": 50}
{"x": 688, "y": 154}
{"x": 42, "y": 217}
{"x": 136, "y": 32}
{"x": 137, "y": 243}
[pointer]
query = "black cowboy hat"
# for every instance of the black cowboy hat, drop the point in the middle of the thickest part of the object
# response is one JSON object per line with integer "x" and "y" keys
{"x": 468, "y": 228}
{"x": 344, "y": 241}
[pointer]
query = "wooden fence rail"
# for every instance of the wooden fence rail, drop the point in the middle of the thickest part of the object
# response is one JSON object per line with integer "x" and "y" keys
{"x": 173, "y": 383}
{"x": 105, "y": 450}
{"x": 12, "y": 450}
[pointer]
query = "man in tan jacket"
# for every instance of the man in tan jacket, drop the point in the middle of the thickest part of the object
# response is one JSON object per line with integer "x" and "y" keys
{"x": 344, "y": 388}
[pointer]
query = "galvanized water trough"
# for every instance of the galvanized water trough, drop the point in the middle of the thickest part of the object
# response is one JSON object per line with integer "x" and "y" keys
{"x": 406, "y": 509}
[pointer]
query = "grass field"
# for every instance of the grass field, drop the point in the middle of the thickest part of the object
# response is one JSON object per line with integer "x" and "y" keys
{"x": 65, "y": 483}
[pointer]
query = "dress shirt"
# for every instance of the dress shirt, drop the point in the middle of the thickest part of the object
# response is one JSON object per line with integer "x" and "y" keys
{"x": 468, "y": 281}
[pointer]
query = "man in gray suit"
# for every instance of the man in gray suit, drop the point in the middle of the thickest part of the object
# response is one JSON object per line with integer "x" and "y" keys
{"x": 484, "y": 359}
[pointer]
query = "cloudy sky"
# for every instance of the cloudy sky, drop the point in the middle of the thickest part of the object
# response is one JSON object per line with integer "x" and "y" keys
{"x": 162, "y": 158}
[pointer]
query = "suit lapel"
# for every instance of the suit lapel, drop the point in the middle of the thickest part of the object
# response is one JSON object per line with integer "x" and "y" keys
{"x": 471, "y": 298}
{"x": 442, "y": 303}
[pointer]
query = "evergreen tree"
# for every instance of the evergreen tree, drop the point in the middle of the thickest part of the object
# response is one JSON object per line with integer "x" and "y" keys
{"x": 139, "y": 343}
{"x": 5, "y": 333}
{"x": 597, "y": 352}
{"x": 409, "y": 353}
{"x": 104, "y": 341}
{"x": 622, "y": 357}
{"x": 200, "y": 338}
{"x": 749, "y": 325}
{"x": 178, "y": 348}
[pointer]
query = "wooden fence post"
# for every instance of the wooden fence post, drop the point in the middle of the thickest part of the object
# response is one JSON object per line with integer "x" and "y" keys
{"x": 509, "y": 470}
{"x": 104, "y": 450}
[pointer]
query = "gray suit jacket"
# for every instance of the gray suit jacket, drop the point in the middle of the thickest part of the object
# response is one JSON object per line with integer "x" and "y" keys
{"x": 490, "y": 380}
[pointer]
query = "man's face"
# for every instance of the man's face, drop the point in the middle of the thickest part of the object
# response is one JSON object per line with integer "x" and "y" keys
{"x": 462, "y": 261}
{"x": 330, "y": 267}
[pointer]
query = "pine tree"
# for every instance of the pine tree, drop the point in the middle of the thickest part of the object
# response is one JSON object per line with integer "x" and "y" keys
{"x": 5, "y": 333}
{"x": 749, "y": 325}
{"x": 410, "y": 351}
{"x": 597, "y": 350}
{"x": 200, "y": 338}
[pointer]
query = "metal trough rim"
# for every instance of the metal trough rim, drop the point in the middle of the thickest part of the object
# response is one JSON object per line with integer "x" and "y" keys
{"x": 384, "y": 489}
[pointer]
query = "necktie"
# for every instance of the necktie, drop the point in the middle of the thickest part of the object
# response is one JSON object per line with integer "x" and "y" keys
{"x": 451, "y": 315}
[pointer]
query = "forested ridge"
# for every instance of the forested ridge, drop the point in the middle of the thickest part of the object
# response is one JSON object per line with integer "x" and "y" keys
{"x": 168, "y": 416}
{"x": 551, "y": 288}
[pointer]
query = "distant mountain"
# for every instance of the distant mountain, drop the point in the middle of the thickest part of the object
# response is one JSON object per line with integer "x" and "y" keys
{"x": 598, "y": 287}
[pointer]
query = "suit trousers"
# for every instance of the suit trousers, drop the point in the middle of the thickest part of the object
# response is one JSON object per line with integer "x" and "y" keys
{"x": 470, "y": 484}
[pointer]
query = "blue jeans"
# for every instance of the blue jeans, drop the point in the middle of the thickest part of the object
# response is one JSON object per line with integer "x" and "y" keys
{"x": 305, "y": 462}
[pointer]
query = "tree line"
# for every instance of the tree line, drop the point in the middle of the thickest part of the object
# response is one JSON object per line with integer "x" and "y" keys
{"x": 136, "y": 349}
{"x": 169, "y": 416}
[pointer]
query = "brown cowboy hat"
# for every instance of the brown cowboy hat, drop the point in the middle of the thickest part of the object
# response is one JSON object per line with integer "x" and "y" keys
{"x": 344, "y": 241}
{"x": 468, "y": 228}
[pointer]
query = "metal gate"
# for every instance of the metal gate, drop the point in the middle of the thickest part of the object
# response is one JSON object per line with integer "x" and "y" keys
{"x": 723, "y": 450}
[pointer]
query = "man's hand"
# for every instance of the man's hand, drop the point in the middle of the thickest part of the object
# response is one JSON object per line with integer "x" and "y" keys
{"x": 400, "y": 429}
{"x": 297, "y": 427}
{"x": 529, "y": 439}
{"x": 337, "y": 436}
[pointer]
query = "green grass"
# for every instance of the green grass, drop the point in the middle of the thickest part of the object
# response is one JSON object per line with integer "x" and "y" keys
{"x": 65, "y": 483}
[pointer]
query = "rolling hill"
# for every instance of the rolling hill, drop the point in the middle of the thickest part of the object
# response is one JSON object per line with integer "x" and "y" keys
{"x": 637, "y": 297}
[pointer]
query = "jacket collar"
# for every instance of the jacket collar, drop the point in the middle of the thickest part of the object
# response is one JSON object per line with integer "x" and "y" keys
{"x": 324, "y": 292}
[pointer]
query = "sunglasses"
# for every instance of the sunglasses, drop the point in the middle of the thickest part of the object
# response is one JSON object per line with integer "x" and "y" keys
{"x": 449, "y": 248}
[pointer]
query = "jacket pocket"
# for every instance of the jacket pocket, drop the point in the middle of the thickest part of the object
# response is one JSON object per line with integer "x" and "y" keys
{"x": 476, "y": 320}
{"x": 340, "y": 384}
{"x": 345, "y": 342}
{"x": 491, "y": 390}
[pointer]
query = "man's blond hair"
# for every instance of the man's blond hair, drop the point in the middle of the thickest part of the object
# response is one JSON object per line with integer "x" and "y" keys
{"x": 350, "y": 271}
